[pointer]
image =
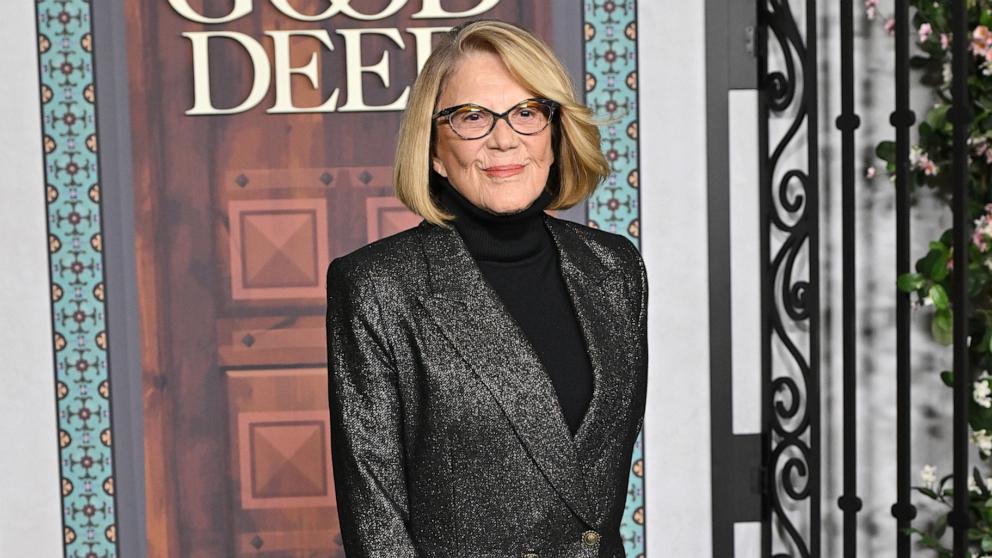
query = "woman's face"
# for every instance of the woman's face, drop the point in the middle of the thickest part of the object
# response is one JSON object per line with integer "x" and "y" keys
{"x": 503, "y": 172}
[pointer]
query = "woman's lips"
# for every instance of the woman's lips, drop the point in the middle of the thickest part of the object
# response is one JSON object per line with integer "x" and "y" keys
{"x": 504, "y": 171}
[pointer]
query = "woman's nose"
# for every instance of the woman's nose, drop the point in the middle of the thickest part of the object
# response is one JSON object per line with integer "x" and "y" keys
{"x": 503, "y": 136}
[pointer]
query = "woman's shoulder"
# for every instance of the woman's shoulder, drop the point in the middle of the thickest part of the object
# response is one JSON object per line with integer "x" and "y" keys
{"x": 616, "y": 252}
{"x": 396, "y": 256}
{"x": 613, "y": 249}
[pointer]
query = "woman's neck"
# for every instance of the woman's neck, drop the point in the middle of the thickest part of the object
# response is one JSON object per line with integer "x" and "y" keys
{"x": 492, "y": 237}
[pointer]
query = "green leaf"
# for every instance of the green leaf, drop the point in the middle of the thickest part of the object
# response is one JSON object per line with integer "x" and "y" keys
{"x": 985, "y": 103}
{"x": 941, "y": 327}
{"x": 938, "y": 268}
{"x": 940, "y": 527}
{"x": 937, "y": 116}
{"x": 928, "y": 540}
{"x": 984, "y": 344}
{"x": 979, "y": 418}
{"x": 943, "y": 481}
{"x": 948, "y": 378}
{"x": 886, "y": 150}
{"x": 909, "y": 282}
{"x": 939, "y": 297}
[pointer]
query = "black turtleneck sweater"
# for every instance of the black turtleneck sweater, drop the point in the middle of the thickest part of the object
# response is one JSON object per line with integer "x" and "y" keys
{"x": 518, "y": 258}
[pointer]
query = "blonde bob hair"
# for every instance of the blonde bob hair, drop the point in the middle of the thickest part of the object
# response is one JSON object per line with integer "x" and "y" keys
{"x": 579, "y": 163}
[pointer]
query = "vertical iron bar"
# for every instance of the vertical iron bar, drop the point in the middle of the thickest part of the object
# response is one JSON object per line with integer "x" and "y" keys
{"x": 902, "y": 118}
{"x": 764, "y": 194}
{"x": 959, "y": 180}
{"x": 810, "y": 67}
{"x": 764, "y": 202}
{"x": 847, "y": 123}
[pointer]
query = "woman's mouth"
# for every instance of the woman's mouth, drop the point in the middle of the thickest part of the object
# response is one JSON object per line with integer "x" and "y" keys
{"x": 504, "y": 171}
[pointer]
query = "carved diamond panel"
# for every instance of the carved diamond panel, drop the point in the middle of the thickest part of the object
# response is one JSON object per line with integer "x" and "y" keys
{"x": 283, "y": 459}
{"x": 277, "y": 248}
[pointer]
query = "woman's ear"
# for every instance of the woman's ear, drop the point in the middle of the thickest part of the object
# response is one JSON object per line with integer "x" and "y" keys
{"x": 439, "y": 167}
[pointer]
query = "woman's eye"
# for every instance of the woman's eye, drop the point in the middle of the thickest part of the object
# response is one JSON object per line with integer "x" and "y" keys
{"x": 471, "y": 116}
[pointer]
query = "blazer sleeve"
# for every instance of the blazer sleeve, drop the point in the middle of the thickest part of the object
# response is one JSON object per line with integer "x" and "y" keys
{"x": 640, "y": 293}
{"x": 366, "y": 424}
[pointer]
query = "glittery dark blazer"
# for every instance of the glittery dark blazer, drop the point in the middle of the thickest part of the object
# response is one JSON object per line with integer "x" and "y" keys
{"x": 447, "y": 436}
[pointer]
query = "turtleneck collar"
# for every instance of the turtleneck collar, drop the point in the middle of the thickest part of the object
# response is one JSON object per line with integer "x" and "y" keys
{"x": 491, "y": 237}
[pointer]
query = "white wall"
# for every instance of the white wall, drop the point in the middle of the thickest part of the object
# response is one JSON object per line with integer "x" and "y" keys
{"x": 671, "y": 51}
{"x": 30, "y": 519}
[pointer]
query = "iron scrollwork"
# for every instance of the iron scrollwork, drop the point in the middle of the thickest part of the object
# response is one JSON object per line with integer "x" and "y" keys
{"x": 791, "y": 309}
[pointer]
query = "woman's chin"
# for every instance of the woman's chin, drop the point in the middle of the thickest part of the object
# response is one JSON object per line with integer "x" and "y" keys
{"x": 511, "y": 201}
{"x": 511, "y": 205}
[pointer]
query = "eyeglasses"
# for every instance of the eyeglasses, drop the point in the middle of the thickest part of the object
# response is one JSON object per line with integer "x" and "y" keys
{"x": 471, "y": 121}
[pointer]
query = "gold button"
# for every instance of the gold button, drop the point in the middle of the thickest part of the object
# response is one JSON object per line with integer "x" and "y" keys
{"x": 529, "y": 555}
{"x": 590, "y": 539}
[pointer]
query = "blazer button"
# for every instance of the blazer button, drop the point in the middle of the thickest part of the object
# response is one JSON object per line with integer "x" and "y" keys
{"x": 590, "y": 539}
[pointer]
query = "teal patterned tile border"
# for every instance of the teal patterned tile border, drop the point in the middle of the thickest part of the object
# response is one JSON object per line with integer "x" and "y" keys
{"x": 610, "y": 28}
{"x": 76, "y": 267}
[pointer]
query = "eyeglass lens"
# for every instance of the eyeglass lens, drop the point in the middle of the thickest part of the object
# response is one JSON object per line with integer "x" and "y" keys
{"x": 527, "y": 118}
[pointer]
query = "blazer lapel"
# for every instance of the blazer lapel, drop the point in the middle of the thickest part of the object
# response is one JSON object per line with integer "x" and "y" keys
{"x": 602, "y": 304}
{"x": 474, "y": 319}
{"x": 595, "y": 294}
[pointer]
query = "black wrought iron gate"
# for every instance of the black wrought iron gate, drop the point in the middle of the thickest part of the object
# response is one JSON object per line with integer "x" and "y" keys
{"x": 774, "y": 477}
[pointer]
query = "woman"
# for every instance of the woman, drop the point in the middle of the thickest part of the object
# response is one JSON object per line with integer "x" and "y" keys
{"x": 488, "y": 367}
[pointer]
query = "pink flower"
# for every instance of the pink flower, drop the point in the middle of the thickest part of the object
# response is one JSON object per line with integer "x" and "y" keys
{"x": 921, "y": 161}
{"x": 925, "y": 31}
{"x": 890, "y": 26}
{"x": 871, "y": 8}
{"x": 945, "y": 41}
{"x": 870, "y": 173}
{"x": 981, "y": 40}
{"x": 983, "y": 230}
{"x": 981, "y": 147}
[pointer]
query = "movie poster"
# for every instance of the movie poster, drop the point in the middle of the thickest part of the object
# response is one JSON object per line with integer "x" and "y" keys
{"x": 262, "y": 140}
